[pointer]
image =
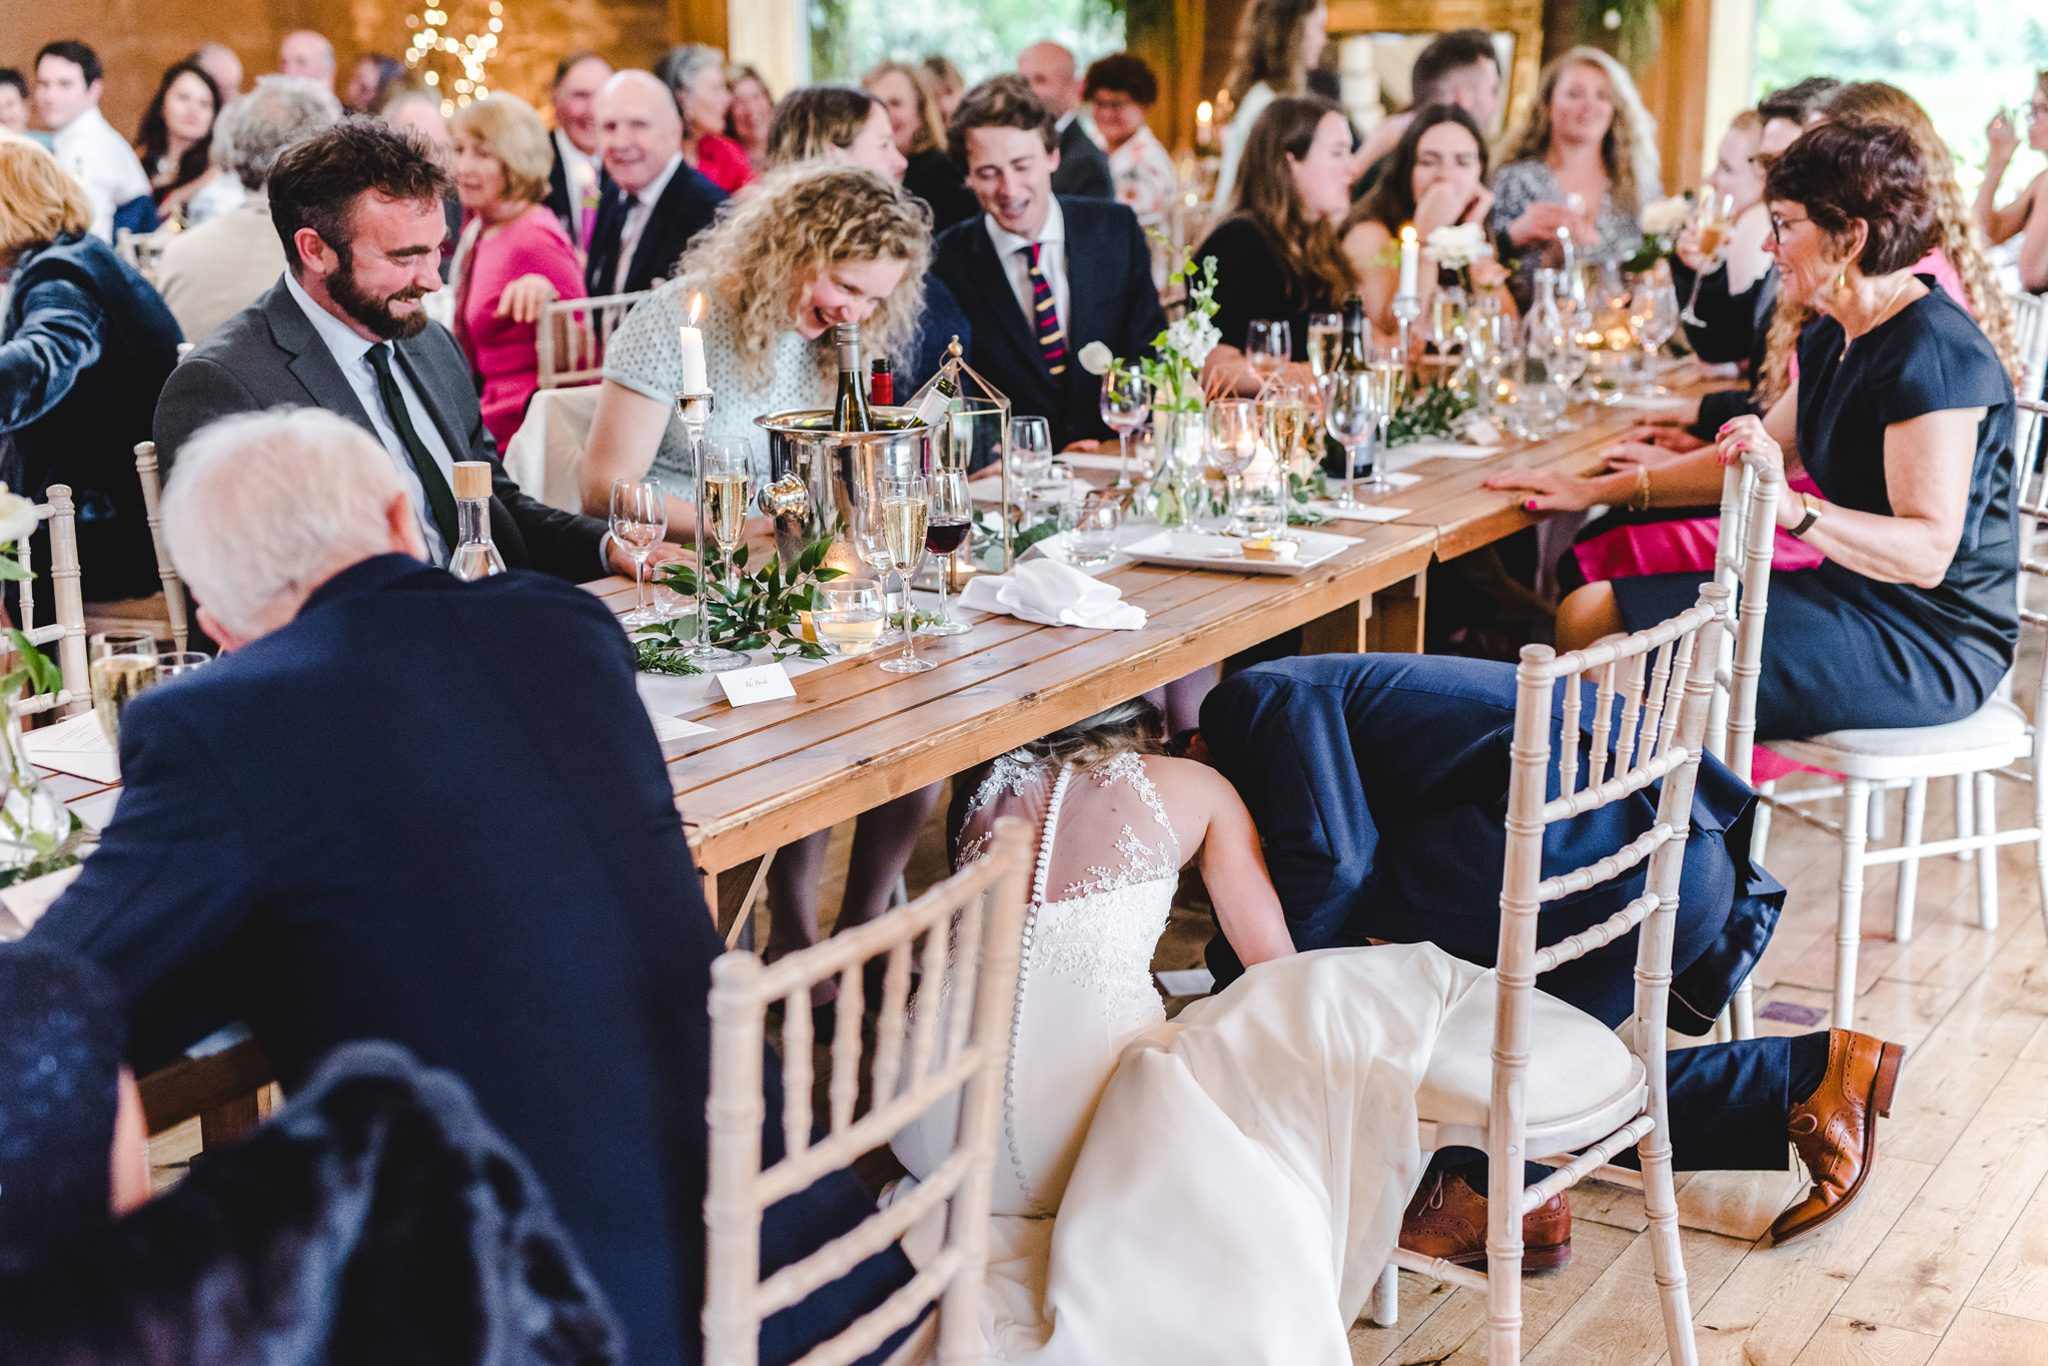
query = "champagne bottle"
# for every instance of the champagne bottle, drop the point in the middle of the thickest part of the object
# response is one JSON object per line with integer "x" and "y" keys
{"x": 475, "y": 556}
{"x": 850, "y": 410}
{"x": 881, "y": 384}
{"x": 1353, "y": 357}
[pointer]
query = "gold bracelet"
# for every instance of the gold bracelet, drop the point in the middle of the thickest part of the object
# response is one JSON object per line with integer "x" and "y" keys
{"x": 1640, "y": 500}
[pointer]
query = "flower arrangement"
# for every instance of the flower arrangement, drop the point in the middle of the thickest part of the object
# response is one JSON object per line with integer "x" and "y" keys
{"x": 1661, "y": 221}
{"x": 1174, "y": 370}
{"x": 762, "y": 609}
{"x": 38, "y": 833}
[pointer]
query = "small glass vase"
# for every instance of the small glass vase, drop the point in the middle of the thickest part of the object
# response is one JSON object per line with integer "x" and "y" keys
{"x": 38, "y": 833}
{"x": 1177, "y": 457}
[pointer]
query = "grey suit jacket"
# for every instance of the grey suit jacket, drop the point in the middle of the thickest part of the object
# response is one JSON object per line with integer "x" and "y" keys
{"x": 269, "y": 356}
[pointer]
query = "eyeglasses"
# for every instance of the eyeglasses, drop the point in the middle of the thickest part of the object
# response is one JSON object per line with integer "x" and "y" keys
{"x": 1778, "y": 226}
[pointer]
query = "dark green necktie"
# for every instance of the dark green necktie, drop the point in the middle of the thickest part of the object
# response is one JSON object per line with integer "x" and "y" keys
{"x": 440, "y": 500}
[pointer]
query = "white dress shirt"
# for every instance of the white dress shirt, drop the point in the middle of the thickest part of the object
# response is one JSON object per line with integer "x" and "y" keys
{"x": 1052, "y": 261}
{"x": 352, "y": 354}
{"x": 635, "y": 226}
{"x": 101, "y": 160}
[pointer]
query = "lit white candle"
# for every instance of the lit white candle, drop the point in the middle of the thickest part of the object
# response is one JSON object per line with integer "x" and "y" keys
{"x": 1205, "y": 124}
{"x": 1410, "y": 251}
{"x": 695, "y": 380}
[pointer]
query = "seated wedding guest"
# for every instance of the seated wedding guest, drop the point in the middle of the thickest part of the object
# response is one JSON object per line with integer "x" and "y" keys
{"x": 68, "y": 86}
{"x": 946, "y": 83}
{"x": 1378, "y": 783}
{"x": 1278, "y": 42}
{"x": 219, "y": 61}
{"x": 1901, "y": 416}
{"x": 370, "y": 82}
{"x": 305, "y": 53}
{"x": 358, "y": 210}
{"x": 14, "y": 102}
{"x": 751, "y": 111}
{"x": 653, "y": 203}
{"x": 695, "y": 75}
{"x": 1278, "y": 254}
{"x": 1461, "y": 68}
{"x": 1083, "y": 170}
{"x": 1120, "y": 90}
{"x": 1728, "y": 287}
{"x": 930, "y": 174}
{"x": 85, "y": 346}
{"x": 212, "y": 272}
{"x": 2027, "y": 212}
{"x": 513, "y": 260}
{"x": 1585, "y": 159}
{"x": 574, "y": 188}
{"x": 1435, "y": 177}
{"x": 176, "y": 138}
{"x": 316, "y": 1236}
{"x": 1039, "y": 276}
{"x": 554, "y": 952}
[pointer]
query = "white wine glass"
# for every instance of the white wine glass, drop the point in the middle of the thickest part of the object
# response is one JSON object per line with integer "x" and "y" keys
{"x": 1269, "y": 345}
{"x": 1232, "y": 430}
{"x": 1325, "y": 340}
{"x": 639, "y": 517}
{"x": 123, "y": 664}
{"x": 1285, "y": 410}
{"x": 1126, "y": 404}
{"x": 906, "y": 509}
{"x": 946, "y": 529}
{"x": 727, "y": 488}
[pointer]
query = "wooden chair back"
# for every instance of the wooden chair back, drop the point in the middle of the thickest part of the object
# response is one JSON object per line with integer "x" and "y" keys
{"x": 176, "y": 608}
{"x": 67, "y": 632}
{"x": 1742, "y": 565}
{"x": 2030, "y": 319}
{"x": 951, "y": 1052}
{"x": 571, "y": 337}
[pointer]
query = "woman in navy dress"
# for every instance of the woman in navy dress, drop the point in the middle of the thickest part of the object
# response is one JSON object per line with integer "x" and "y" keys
{"x": 1903, "y": 416}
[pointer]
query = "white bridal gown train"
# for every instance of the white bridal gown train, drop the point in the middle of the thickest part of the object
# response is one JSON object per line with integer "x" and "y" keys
{"x": 1227, "y": 1185}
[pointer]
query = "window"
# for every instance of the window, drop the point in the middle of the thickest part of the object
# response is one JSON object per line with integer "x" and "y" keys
{"x": 982, "y": 37}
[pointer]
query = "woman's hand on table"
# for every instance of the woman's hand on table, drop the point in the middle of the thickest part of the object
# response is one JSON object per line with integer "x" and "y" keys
{"x": 1085, "y": 446}
{"x": 1548, "y": 490}
{"x": 1665, "y": 434}
{"x": 525, "y": 298}
{"x": 1626, "y": 455}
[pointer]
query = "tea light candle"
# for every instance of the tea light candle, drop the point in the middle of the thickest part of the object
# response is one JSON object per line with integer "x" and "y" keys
{"x": 695, "y": 380}
{"x": 1410, "y": 251}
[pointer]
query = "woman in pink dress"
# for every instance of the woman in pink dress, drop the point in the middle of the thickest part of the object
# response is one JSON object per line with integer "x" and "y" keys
{"x": 513, "y": 259}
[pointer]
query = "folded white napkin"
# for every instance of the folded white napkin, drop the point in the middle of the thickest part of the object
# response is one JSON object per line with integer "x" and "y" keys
{"x": 1053, "y": 594}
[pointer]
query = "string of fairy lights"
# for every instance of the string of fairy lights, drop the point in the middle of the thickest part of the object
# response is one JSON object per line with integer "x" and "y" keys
{"x": 450, "y": 64}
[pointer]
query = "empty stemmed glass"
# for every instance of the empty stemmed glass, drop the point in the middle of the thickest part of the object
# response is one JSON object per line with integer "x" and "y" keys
{"x": 1713, "y": 218}
{"x": 639, "y": 517}
{"x": 1351, "y": 414}
{"x": 945, "y": 531}
{"x": 1653, "y": 314}
{"x": 1030, "y": 454}
{"x": 1233, "y": 443}
{"x": 905, "y": 509}
{"x": 1126, "y": 403}
{"x": 1269, "y": 345}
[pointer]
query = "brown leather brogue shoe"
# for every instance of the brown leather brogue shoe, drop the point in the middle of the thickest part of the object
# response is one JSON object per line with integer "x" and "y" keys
{"x": 1447, "y": 1220}
{"x": 1835, "y": 1128}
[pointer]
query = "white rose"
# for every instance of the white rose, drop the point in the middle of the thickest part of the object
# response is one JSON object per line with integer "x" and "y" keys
{"x": 1458, "y": 245}
{"x": 17, "y": 517}
{"x": 1664, "y": 216}
{"x": 1096, "y": 359}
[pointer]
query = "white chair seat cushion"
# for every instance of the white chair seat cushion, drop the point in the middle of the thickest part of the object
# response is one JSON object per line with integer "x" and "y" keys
{"x": 1994, "y": 734}
{"x": 1582, "y": 1083}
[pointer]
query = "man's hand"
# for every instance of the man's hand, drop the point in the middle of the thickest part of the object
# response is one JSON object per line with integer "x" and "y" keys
{"x": 663, "y": 553}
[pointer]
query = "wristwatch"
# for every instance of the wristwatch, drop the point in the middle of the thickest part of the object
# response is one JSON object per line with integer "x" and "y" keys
{"x": 1813, "y": 508}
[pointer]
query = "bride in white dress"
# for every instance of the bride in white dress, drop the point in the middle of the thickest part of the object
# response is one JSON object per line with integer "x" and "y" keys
{"x": 1227, "y": 1185}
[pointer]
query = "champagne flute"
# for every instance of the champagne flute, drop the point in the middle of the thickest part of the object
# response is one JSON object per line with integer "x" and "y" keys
{"x": 726, "y": 480}
{"x": 639, "y": 516}
{"x": 1389, "y": 372}
{"x": 1232, "y": 426}
{"x": 1325, "y": 341}
{"x": 945, "y": 531}
{"x": 123, "y": 665}
{"x": 1713, "y": 218}
{"x": 1285, "y": 413}
{"x": 1126, "y": 403}
{"x": 1351, "y": 416}
{"x": 906, "y": 508}
{"x": 1269, "y": 344}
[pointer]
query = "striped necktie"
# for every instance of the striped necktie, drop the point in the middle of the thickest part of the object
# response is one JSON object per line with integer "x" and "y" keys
{"x": 1045, "y": 319}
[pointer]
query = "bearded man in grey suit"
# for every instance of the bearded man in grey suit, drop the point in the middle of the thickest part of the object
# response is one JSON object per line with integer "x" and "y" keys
{"x": 358, "y": 210}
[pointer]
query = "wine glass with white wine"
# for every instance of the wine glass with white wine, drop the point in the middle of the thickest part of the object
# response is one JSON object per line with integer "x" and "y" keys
{"x": 1713, "y": 218}
{"x": 906, "y": 510}
{"x": 727, "y": 479}
{"x": 123, "y": 664}
{"x": 1325, "y": 342}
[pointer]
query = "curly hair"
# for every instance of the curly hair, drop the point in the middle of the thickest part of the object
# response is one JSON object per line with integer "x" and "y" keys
{"x": 1309, "y": 251}
{"x": 1957, "y": 237}
{"x": 800, "y": 220}
{"x": 931, "y": 129}
{"x": 1629, "y": 151}
{"x": 1268, "y": 48}
{"x": 1125, "y": 73}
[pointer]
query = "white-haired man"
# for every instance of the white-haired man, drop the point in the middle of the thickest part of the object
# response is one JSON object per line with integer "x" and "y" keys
{"x": 406, "y": 807}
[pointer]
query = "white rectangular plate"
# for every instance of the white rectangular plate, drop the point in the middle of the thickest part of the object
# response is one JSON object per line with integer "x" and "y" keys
{"x": 1212, "y": 550}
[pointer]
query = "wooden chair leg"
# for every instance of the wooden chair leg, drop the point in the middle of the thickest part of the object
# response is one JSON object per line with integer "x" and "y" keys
{"x": 1385, "y": 1310}
{"x": 1909, "y": 870}
{"x": 1987, "y": 857}
{"x": 1660, "y": 1202}
{"x": 1849, "y": 913}
{"x": 1760, "y": 828}
{"x": 1966, "y": 819}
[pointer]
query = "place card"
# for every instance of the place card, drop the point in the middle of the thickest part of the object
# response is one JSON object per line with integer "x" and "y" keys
{"x": 675, "y": 727}
{"x": 1362, "y": 513}
{"x": 761, "y": 683}
{"x": 98, "y": 809}
{"x": 25, "y": 902}
{"x": 1432, "y": 448}
{"x": 77, "y": 746}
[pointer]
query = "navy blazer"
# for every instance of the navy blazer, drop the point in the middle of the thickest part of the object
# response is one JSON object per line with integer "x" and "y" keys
{"x": 687, "y": 206}
{"x": 1379, "y": 786}
{"x": 269, "y": 356}
{"x": 1083, "y": 172}
{"x": 1111, "y": 300}
{"x": 84, "y": 350}
{"x": 435, "y": 813}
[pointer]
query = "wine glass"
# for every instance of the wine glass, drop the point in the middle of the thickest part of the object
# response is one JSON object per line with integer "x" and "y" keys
{"x": 1653, "y": 313}
{"x": 1232, "y": 428}
{"x": 178, "y": 663}
{"x": 1712, "y": 218}
{"x": 639, "y": 516}
{"x": 1285, "y": 410}
{"x": 1268, "y": 345}
{"x": 850, "y": 621}
{"x": 945, "y": 531}
{"x": 1095, "y": 519}
{"x": 726, "y": 489}
{"x": 1030, "y": 454}
{"x": 1488, "y": 335}
{"x": 123, "y": 665}
{"x": 905, "y": 510}
{"x": 1126, "y": 403}
{"x": 1325, "y": 340}
{"x": 1351, "y": 415}
{"x": 1389, "y": 371}
{"x": 1447, "y": 319}
{"x": 865, "y": 525}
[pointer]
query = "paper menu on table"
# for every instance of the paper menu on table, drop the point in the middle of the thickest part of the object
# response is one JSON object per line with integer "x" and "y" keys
{"x": 25, "y": 902}
{"x": 77, "y": 746}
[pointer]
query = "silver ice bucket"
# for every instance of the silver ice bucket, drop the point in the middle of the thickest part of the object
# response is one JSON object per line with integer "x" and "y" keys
{"x": 817, "y": 476}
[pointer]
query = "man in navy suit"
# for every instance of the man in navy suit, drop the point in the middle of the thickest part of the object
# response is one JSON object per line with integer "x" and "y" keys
{"x": 575, "y": 176}
{"x": 652, "y": 202}
{"x": 1040, "y": 276}
{"x": 410, "y": 808}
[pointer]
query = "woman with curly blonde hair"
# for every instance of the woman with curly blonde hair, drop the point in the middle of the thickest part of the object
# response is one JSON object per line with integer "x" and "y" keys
{"x": 1585, "y": 159}
{"x": 814, "y": 245}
